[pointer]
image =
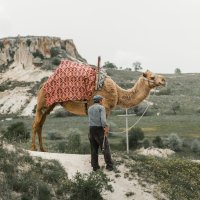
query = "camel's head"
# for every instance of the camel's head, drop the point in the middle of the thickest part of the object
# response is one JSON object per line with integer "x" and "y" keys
{"x": 154, "y": 80}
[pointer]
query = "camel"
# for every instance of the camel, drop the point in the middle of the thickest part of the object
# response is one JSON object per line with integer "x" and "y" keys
{"x": 114, "y": 96}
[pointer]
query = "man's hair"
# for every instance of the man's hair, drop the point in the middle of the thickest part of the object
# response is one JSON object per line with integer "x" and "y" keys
{"x": 97, "y": 98}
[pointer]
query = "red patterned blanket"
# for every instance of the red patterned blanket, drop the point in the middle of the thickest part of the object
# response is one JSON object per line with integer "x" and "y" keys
{"x": 70, "y": 81}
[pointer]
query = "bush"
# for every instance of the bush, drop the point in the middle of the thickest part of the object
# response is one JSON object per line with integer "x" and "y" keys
{"x": 56, "y": 61}
{"x": 195, "y": 146}
{"x": 164, "y": 91}
{"x": 28, "y": 42}
{"x": 30, "y": 178}
{"x": 146, "y": 143}
{"x": 73, "y": 143}
{"x": 62, "y": 146}
{"x": 89, "y": 186}
{"x": 177, "y": 178}
{"x": 17, "y": 132}
{"x": 44, "y": 192}
{"x": 174, "y": 142}
{"x": 1, "y": 45}
{"x": 53, "y": 135}
{"x": 135, "y": 134}
{"x": 38, "y": 54}
{"x": 140, "y": 109}
{"x": 198, "y": 110}
{"x": 62, "y": 113}
{"x": 157, "y": 142}
{"x": 54, "y": 51}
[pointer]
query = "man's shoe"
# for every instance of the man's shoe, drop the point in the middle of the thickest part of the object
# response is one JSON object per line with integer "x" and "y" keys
{"x": 96, "y": 168}
{"x": 109, "y": 168}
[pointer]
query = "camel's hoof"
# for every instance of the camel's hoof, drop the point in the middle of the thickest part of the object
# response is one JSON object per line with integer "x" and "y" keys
{"x": 33, "y": 149}
{"x": 42, "y": 149}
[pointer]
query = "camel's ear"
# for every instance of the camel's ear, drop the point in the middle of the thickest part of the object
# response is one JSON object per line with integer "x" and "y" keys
{"x": 145, "y": 74}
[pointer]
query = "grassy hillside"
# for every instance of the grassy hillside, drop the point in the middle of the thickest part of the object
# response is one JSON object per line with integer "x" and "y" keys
{"x": 175, "y": 176}
{"x": 181, "y": 88}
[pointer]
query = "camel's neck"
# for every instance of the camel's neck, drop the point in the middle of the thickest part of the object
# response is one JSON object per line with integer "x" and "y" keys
{"x": 131, "y": 97}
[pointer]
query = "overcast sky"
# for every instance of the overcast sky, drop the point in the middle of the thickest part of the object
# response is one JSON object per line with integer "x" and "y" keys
{"x": 161, "y": 34}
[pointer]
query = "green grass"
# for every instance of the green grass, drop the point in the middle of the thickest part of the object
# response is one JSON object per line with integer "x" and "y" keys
{"x": 177, "y": 178}
{"x": 186, "y": 126}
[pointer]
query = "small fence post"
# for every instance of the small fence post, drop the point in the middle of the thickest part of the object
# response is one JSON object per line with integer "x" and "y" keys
{"x": 127, "y": 138}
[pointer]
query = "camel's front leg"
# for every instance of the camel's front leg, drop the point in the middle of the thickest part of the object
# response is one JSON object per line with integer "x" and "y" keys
{"x": 33, "y": 146}
{"x": 40, "y": 140}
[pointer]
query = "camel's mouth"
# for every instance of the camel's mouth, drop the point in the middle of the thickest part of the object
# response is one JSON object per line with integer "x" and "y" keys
{"x": 162, "y": 82}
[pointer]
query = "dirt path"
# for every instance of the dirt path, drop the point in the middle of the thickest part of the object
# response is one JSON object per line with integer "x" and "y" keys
{"x": 122, "y": 185}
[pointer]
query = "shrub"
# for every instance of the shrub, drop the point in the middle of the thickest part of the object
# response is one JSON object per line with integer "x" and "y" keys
{"x": 1, "y": 45}
{"x": 54, "y": 51}
{"x": 62, "y": 113}
{"x": 73, "y": 143}
{"x": 38, "y": 54}
{"x": 89, "y": 186}
{"x": 146, "y": 143}
{"x": 140, "y": 109}
{"x": 177, "y": 178}
{"x": 44, "y": 192}
{"x": 85, "y": 148}
{"x": 198, "y": 110}
{"x": 17, "y": 132}
{"x": 164, "y": 91}
{"x": 135, "y": 134}
{"x": 31, "y": 178}
{"x": 53, "y": 135}
{"x": 56, "y": 61}
{"x": 174, "y": 142}
{"x": 195, "y": 146}
{"x": 28, "y": 42}
{"x": 158, "y": 142}
{"x": 62, "y": 146}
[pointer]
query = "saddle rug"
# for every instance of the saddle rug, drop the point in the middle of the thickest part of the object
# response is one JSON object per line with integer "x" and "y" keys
{"x": 70, "y": 81}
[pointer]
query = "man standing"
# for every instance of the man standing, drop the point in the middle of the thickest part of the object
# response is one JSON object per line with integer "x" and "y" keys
{"x": 98, "y": 133}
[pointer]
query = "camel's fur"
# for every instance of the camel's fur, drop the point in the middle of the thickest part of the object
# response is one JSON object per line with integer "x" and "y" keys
{"x": 113, "y": 96}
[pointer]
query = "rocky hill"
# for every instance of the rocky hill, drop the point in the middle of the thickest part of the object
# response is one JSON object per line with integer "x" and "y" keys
{"x": 25, "y": 62}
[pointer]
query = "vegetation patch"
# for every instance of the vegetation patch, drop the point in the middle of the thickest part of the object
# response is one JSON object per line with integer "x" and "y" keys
{"x": 24, "y": 177}
{"x": 177, "y": 178}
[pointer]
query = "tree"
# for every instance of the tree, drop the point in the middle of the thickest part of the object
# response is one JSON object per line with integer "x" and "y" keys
{"x": 137, "y": 66}
{"x": 177, "y": 71}
{"x": 109, "y": 65}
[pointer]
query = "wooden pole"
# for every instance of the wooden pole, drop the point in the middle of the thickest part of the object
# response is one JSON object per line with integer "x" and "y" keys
{"x": 127, "y": 139}
{"x": 97, "y": 72}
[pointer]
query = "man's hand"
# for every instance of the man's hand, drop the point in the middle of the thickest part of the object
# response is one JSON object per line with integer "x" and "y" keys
{"x": 106, "y": 130}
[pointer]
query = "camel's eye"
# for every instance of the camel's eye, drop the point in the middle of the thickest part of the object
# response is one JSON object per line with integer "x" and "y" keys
{"x": 152, "y": 78}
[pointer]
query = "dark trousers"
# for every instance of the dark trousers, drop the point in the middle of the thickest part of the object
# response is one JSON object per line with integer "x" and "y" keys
{"x": 96, "y": 137}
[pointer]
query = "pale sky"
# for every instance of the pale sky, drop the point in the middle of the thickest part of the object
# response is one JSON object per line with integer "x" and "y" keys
{"x": 161, "y": 34}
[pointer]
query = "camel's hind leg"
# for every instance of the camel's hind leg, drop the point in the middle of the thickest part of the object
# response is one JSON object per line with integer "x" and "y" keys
{"x": 38, "y": 122}
{"x": 41, "y": 112}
